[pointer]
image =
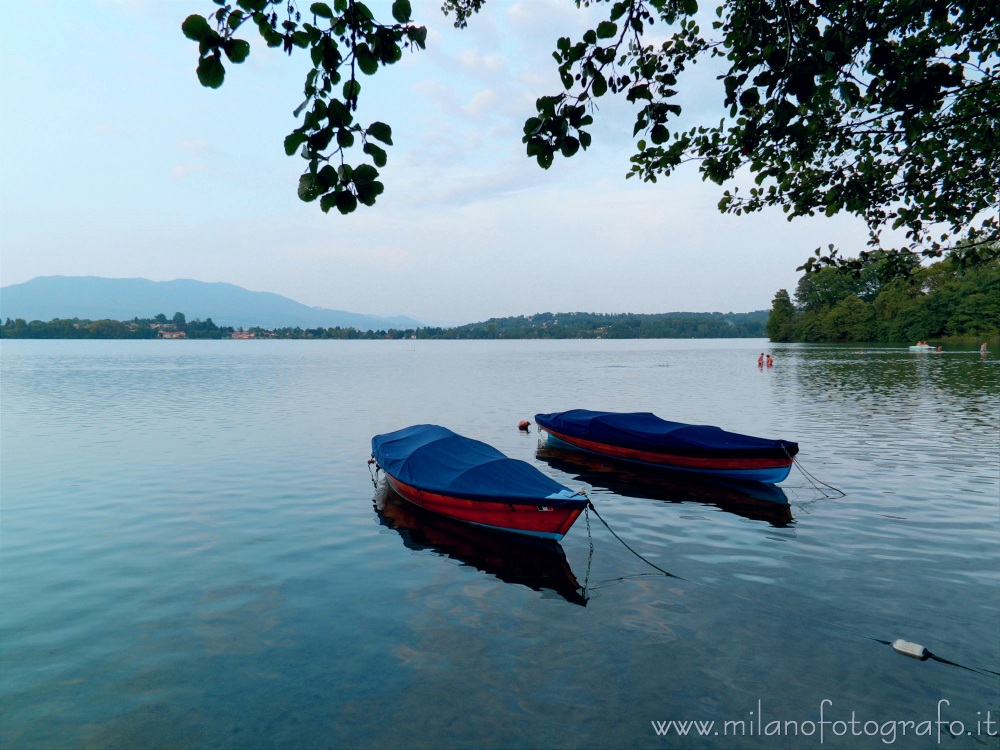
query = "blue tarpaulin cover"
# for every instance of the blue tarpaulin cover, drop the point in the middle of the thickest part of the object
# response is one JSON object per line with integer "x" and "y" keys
{"x": 646, "y": 431}
{"x": 435, "y": 459}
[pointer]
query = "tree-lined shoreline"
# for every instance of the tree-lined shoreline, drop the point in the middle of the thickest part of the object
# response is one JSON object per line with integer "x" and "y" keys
{"x": 884, "y": 301}
{"x": 575, "y": 325}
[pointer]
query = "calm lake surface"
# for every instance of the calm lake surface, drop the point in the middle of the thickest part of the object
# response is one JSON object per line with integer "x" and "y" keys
{"x": 193, "y": 553}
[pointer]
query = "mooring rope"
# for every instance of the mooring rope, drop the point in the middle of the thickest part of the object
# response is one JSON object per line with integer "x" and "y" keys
{"x": 816, "y": 483}
{"x": 900, "y": 646}
{"x": 590, "y": 553}
{"x": 625, "y": 544}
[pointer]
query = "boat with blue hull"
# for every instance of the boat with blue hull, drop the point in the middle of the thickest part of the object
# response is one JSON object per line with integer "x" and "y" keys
{"x": 646, "y": 439}
{"x": 468, "y": 480}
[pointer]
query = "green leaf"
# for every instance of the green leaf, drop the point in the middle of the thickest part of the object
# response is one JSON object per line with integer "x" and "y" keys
{"x": 327, "y": 177}
{"x": 402, "y": 11}
{"x": 378, "y": 154}
{"x": 606, "y": 29}
{"x": 600, "y": 84}
{"x": 211, "y": 72}
{"x": 327, "y": 202}
{"x": 351, "y": 89}
{"x": 272, "y": 37}
{"x": 237, "y": 50}
{"x": 321, "y": 10}
{"x": 546, "y": 105}
{"x": 418, "y": 36}
{"x": 365, "y": 173}
{"x": 639, "y": 91}
{"x": 750, "y": 98}
{"x": 346, "y": 202}
{"x": 321, "y": 139}
{"x": 195, "y": 28}
{"x": 339, "y": 114}
{"x": 570, "y": 146}
{"x": 366, "y": 60}
{"x": 369, "y": 191}
{"x": 309, "y": 188}
{"x": 380, "y": 132}
{"x": 293, "y": 141}
{"x": 345, "y": 138}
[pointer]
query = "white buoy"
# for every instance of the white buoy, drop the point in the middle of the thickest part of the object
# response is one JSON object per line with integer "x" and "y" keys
{"x": 913, "y": 650}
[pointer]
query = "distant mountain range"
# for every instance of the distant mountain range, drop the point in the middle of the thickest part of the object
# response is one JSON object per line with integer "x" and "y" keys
{"x": 97, "y": 298}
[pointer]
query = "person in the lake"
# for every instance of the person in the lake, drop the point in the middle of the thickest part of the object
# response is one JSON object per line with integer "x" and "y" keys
{"x": 770, "y": 362}
{"x": 983, "y": 349}
{"x": 760, "y": 360}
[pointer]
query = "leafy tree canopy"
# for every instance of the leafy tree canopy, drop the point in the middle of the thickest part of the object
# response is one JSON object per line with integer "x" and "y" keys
{"x": 945, "y": 298}
{"x": 886, "y": 109}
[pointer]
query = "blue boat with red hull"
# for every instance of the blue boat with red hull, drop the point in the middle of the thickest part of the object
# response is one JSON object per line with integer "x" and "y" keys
{"x": 646, "y": 439}
{"x": 441, "y": 471}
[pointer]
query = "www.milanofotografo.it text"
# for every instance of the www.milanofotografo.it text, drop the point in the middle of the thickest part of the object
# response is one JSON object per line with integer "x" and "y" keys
{"x": 943, "y": 724}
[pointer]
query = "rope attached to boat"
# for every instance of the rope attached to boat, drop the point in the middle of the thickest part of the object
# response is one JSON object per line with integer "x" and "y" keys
{"x": 590, "y": 553}
{"x": 816, "y": 483}
{"x": 374, "y": 474}
{"x": 590, "y": 505}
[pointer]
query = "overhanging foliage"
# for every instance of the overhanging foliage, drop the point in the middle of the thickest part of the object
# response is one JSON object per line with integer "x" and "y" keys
{"x": 888, "y": 110}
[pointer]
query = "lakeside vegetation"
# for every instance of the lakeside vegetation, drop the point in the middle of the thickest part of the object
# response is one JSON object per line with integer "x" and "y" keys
{"x": 885, "y": 300}
{"x": 137, "y": 328}
{"x": 539, "y": 326}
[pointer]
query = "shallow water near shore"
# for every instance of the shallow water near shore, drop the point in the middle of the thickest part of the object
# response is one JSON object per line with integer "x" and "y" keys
{"x": 193, "y": 554}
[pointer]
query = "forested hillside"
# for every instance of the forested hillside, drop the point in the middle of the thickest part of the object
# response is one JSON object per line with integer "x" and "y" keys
{"x": 580, "y": 325}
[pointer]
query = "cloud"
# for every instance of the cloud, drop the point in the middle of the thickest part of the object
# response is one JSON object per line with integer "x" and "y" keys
{"x": 482, "y": 103}
{"x": 183, "y": 171}
{"x": 195, "y": 145}
{"x": 474, "y": 61}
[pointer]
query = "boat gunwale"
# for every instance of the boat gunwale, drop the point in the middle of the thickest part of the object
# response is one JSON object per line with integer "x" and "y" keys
{"x": 578, "y": 500}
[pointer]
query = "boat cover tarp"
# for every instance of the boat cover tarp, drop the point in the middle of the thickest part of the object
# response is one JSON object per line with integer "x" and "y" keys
{"x": 435, "y": 459}
{"x": 648, "y": 432}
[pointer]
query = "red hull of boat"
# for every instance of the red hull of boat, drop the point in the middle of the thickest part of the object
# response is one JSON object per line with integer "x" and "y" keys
{"x": 540, "y": 521}
{"x": 775, "y": 469}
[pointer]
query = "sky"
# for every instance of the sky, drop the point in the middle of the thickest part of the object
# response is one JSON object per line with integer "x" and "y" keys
{"x": 116, "y": 162}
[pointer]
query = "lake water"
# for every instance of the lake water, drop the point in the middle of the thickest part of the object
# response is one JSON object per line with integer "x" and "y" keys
{"x": 193, "y": 553}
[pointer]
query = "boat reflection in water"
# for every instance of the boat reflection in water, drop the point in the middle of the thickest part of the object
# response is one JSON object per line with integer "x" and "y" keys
{"x": 754, "y": 500}
{"x": 539, "y": 564}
